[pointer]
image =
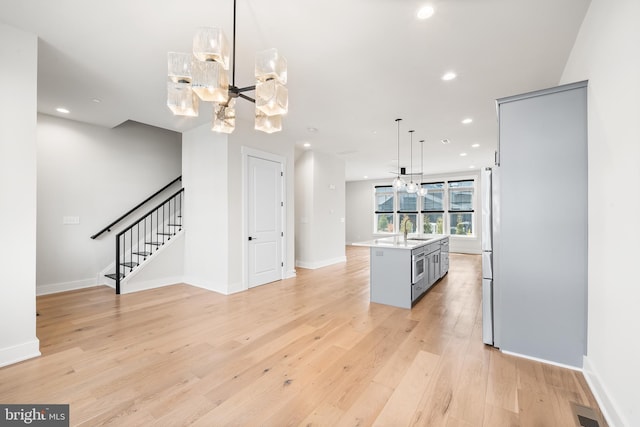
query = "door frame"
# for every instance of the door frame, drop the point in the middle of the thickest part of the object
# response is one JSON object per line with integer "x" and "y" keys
{"x": 247, "y": 152}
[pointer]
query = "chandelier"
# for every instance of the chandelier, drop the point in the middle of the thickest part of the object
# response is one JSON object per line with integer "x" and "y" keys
{"x": 203, "y": 76}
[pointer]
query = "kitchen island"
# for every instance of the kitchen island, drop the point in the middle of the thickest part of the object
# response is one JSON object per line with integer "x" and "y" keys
{"x": 401, "y": 271}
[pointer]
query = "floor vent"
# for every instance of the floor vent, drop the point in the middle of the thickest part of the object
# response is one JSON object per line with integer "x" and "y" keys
{"x": 586, "y": 417}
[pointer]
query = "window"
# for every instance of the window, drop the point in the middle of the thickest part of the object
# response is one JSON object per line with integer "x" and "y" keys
{"x": 384, "y": 209}
{"x": 433, "y": 208}
{"x": 407, "y": 208}
{"x": 461, "y": 207}
{"x": 446, "y": 208}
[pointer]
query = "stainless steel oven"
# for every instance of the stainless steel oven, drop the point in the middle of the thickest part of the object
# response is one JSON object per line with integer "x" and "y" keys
{"x": 418, "y": 265}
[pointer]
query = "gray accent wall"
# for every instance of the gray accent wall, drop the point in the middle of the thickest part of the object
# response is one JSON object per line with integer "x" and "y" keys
{"x": 541, "y": 241}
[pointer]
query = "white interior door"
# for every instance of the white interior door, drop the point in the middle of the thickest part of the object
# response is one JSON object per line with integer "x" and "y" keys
{"x": 264, "y": 213}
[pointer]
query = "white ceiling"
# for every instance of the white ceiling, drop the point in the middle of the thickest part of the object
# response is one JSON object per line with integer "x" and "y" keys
{"x": 354, "y": 67}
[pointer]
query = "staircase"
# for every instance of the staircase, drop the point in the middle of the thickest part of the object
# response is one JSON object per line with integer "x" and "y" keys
{"x": 141, "y": 240}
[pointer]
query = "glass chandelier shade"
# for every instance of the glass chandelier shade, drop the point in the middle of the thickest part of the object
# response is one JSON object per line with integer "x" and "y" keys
{"x": 203, "y": 75}
{"x": 181, "y": 99}
{"x": 412, "y": 187}
{"x": 399, "y": 183}
{"x": 271, "y": 66}
{"x": 422, "y": 191}
{"x": 224, "y": 117}
{"x": 210, "y": 81}
{"x": 267, "y": 124}
{"x": 179, "y": 67}
{"x": 211, "y": 45}
{"x": 272, "y": 98}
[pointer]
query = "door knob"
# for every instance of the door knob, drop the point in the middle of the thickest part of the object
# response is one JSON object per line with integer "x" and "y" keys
{"x": 253, "y": 238}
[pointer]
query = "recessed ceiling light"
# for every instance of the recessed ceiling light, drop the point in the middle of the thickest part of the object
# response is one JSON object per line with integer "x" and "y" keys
{"x": 463, "y": 154}
{"x": 62, "y": 110}
{"x": 445, "y": 141}
{"x": 425, "y": 12}
{"x": 311, "y": 129}
{"x": 365, "y": 177}
{"x": 476, "y": 145}
{"x": 449, "y": 76}
{"x": 96, "y": 100}
{"x": 467, "y": 121}
{"x": 306, "y": 145}
{"x": 472, "y": 167}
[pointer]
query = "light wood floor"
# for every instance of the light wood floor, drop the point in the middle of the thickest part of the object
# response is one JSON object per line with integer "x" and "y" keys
{"x": 308, "y": 351}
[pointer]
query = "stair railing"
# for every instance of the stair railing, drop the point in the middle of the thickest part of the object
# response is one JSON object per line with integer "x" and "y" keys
{"x": 139, "y": 205}
{"x": 145, "y": 236}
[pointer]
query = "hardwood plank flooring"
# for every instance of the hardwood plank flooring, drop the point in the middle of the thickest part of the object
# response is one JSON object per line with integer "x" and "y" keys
{"x": 309, "y": 351}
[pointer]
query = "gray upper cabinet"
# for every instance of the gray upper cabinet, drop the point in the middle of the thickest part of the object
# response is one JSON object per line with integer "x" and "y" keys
{"x": 540, "y": 302}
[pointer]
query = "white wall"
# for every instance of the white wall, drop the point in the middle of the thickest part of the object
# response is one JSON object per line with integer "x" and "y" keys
{"x": 206, "y": 217}
{"x": 96, "y": 174}
{"x": 277, "y": 143}
{"x": 304, "y": 205}
{"x": 214, "y": 204}
{"x": 18, "y": 82}
{"x": 165, "y": 268}
{"x": 360, "y": 206}
{"x": 320, "y": 210}
{"x": 605, "y": 53}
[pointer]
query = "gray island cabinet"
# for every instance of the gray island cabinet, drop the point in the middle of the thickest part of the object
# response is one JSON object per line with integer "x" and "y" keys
{"x": 402, "y": 271}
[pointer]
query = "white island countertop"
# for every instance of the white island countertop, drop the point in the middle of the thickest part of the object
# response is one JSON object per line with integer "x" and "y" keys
{"x": 397, "y": 241}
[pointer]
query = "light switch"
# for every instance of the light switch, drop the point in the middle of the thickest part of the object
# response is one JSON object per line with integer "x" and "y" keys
{"x": 70, "y": 220}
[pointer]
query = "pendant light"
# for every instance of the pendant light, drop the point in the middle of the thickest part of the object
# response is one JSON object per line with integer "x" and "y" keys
{"x": 423, "y": 190}
{"x": 398, "y": 182}
{"x": 412, "y": 187}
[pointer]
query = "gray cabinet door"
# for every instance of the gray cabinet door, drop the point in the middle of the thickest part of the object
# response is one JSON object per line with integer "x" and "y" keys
{"x": 540, "y": 254}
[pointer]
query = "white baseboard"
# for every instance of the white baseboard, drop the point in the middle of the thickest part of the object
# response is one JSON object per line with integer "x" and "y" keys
{"x": 54, "y": 288}
{"x": 149, "y": 284}
{"x": 234, "y": 288}
{"x": 609, "y": 409}
{"x": 205, "y": 284}
{"x": 320, "y": 264}
{"x": 290, "y": 274}
{"x": 548, "y": 362}
{"x": 20, "y": 352}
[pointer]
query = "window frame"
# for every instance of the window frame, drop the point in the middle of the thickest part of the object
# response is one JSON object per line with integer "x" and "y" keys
{"x": 378, "y": 212}
{"x": 445, "y": 213}
{"x": 471, "y": 211}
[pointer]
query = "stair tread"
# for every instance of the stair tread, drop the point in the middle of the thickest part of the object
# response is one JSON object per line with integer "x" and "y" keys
{"x": 141, "y": 253}
{"x": 113, "y": 276}
{"x": 174, "y": 225}
{"x": 165, "y": 234}
{"x": 154, "y": 243}
{"x": 129, "y": 264}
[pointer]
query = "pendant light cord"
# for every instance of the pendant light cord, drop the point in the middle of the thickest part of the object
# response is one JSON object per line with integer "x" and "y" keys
{"x": 411, "y": 159}
{"x": 398, "y": 122}
{"x": 421, "y": 161}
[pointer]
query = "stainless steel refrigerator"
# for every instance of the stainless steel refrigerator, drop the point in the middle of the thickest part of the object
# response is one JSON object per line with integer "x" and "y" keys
{"x": 487, "y": 255}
